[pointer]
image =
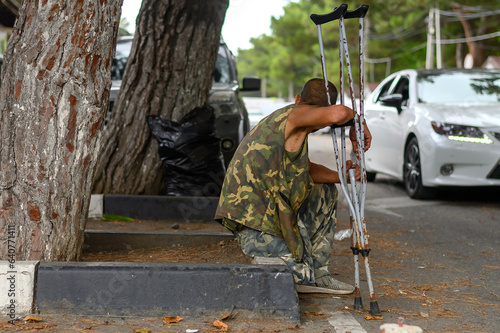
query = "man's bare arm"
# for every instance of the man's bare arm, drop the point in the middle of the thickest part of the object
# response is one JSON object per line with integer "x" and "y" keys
{"x": 316, "y": 117}
{"x": 321, "y": 174}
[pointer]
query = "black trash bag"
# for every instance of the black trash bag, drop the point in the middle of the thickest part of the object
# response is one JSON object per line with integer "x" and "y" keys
{"x": 192, "y": 160}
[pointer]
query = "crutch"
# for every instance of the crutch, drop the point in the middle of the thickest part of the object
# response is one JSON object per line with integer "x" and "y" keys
{"x": 355, "y": 198}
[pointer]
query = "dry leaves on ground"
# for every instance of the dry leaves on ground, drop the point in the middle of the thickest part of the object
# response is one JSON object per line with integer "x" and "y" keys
{"x": 220, "y": 325}
{"x": 171, "y": 319}
{"x": 142, "y": 330}
{"x": 32, "y": 319}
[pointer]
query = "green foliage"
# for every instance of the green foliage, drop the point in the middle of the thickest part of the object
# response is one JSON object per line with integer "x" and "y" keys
{"x": 396, "y": 30}
{"x": 3, "y": 43}
{"x": 123, "y": 29}
{"x": 115, "y": 218}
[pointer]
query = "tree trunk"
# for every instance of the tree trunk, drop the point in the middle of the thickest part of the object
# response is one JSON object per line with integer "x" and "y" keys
{"x": 169, "y": 73}
{"x": 54, "y": 94}
{"x": 476, "y": 48}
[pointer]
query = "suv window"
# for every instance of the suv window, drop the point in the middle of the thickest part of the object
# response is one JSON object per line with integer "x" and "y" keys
{"x": 222, "y": 71}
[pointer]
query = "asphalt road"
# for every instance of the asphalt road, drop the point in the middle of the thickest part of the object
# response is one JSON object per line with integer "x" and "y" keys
{"x": 434, "y": 263}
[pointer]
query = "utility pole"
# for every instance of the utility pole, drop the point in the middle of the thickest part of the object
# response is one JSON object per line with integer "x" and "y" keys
{"x": 433, "y": 32}
{"x": 439, "y": 59}
{"x": 429, "y": 59}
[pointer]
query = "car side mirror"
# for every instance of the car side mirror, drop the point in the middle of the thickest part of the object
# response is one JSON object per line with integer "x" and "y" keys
{"x": 251, "y": 83}
{"x": 394, "y": 100}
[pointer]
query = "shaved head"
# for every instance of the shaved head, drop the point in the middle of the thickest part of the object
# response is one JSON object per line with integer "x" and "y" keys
{"x": 314, "y": 93}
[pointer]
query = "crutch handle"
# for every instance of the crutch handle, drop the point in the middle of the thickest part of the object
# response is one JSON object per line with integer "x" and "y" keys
{"x": 335, "y": 15}
{"x": 359, "y": 12}
{"x": 349, "y": 123}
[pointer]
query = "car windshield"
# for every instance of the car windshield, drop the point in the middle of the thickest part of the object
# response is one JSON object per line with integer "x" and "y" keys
{"x": 459, "y": 87}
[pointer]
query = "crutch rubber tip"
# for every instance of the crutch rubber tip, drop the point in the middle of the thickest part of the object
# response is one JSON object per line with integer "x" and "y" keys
{"x": 358, "y": 304}
{"x": 374, "y": 310}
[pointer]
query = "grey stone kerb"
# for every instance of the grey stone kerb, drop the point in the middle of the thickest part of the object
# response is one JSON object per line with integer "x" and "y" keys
{"x": 151, "y": 289}
{"x": 150, "y": 207}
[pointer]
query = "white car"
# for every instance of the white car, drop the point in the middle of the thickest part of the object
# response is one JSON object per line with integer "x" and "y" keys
{"x": 434, "y": 128}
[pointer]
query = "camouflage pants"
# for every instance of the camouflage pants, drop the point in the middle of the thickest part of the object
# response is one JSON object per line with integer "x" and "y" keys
{"x": 317, "y": 219}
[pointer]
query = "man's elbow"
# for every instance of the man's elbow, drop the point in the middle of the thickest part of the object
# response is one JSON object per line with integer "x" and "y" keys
{"x": 341, "y": 115}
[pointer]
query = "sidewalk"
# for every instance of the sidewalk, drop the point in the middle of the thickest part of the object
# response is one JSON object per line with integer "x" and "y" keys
{"x": 121, "y": 296}
{"x": 153, "y": 288}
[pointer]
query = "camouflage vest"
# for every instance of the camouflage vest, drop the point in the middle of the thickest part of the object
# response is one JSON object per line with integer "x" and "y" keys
{"x": 266, "y": 185}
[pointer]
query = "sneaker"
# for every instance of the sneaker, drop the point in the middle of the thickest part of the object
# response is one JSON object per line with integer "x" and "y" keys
{"x": 325, "y": 285}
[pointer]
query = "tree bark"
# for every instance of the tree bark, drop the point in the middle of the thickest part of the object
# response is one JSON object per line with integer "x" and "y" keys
{"x": 54, "y": 95}
{"x": 169, "y": 73}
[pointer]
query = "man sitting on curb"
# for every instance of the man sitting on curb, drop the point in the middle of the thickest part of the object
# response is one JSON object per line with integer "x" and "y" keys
{"x": 278, "y": 203}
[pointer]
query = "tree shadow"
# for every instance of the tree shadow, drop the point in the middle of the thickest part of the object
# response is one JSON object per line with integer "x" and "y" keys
{"x": 484, "y": 194}
{"x": 481, "y": 194}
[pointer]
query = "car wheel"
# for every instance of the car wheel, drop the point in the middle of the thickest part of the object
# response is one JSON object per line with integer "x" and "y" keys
{"x": 370, "y": 176}
{"x": 412, "y": 173}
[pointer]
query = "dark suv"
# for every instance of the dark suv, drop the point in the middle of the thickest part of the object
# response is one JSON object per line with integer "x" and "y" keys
{"x": 231, "y": 115}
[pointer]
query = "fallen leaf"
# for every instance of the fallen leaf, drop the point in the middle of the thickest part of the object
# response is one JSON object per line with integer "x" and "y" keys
{"x": 170, "y": 319}
{"x": 142, "y": 330}
{"x": 313, "y": 314}
{"x": 225, "y": 316}
{"x": 220, "y": 325}
{"x": 32, "y": 319}
{"x": 369, "y": 317}
{"x": 424, "y": 314}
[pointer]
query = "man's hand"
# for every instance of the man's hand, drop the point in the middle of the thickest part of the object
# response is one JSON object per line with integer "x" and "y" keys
{"x": 352, "y": 137}
{"x": 349, "y": 165}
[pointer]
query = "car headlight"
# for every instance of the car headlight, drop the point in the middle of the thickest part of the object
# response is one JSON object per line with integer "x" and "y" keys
{"x": 224, "y": 101}
{"x": 222, "y": 97}
{"x": 461, "y": 133}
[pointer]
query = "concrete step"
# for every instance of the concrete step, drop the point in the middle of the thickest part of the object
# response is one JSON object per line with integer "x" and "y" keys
{"x": 117, "y": 240}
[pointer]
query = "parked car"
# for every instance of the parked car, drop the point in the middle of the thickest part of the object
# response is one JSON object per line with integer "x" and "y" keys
{"x": 435, "y": 128}
{"x": 232, "y": 122}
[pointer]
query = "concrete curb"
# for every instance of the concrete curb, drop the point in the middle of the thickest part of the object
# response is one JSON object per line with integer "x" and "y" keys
{"x": 160, "y": 289}
{"x": 152, "y": 290}
{"x": 154, "y": 207}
